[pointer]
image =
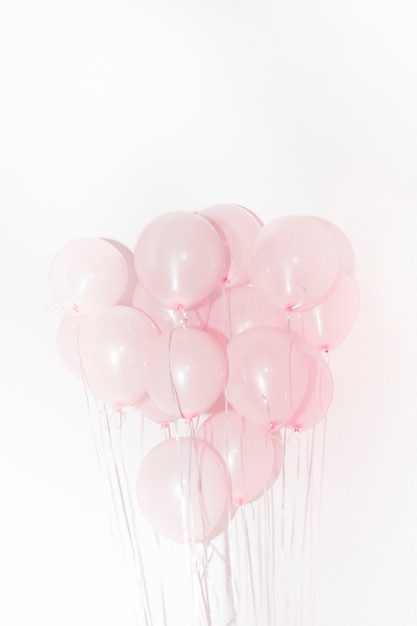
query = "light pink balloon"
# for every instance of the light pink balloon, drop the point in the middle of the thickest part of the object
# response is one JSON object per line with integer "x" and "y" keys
{"x": 268, "y": 375}
{"x": 294, "y": 262}
{"x": 132, "y": 279}
{"x": 114, "y": 348}
{"x": 67, "y": 338}
{"x": 241, "y": 308}
{"x": 185, "y": 372}
{"x": 165, "y": 319}
{"x": 179, "y": 259}
{"x": 153, "y": 412}
{"x": 239, "y": 228}
{"x": 87, "y": 275}
{"x": 347, "y": 259}
{"x": 182, "y": 489}
{"x": 277, "y": 462}
{"x": 318, "y": 397}
{"x": 325, "y": 326}
{"x": 246, "y": 449}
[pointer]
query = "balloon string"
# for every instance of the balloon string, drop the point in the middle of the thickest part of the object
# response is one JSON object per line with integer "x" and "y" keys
{"x": 130, "y": 528}
{"x": 101, "y": 465}
{"x": 139, "y": 568}
{"x": 161, "y": 569}
{"x": 249, "y": 556}
{"x": 323, "y": 453}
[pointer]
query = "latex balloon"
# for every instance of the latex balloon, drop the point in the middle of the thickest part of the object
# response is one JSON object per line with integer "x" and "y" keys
{"x": 185, "y": 372}
{"x": 241, "y": 308}
{"x": 153, "y": 412}
{"x": 347, "y": 259}
{"x": 239, "y": 228}
{"x": 182, "y": 488}
{"x": 318, "y": 397}
{"x": 166, "y": 319}
{"x": 246, "y": 449}
{"x": 114, "y": 347}
{"x": 132, "y": 279}
{"x": 87, "y": 275}
{"x": 268, "y": 375}
{"x": 325, "y": 326}
{"x": 294, "y": 262}
{"x": 179, "y": 259}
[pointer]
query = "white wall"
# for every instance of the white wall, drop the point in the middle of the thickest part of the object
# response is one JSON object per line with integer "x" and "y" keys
{"x": 113, "y": 112}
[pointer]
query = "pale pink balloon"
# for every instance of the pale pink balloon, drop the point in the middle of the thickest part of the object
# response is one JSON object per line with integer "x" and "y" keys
{"x": 239, "y": 228}
{"x": 277, "y": 462}
{"x": 67, "y": 338}
{"x": 182, "y": 489}
{"x": 241, "y": 308}
{"x": 87, "y": 275}
{"x": 166, "y": 319}
{"x": 114, "y": 348}
{"x": 185, "y": 372}
{"x": 325, "y": 326}
{"x": 347, "y": 259}
{"x": 318, "y": 397}
{"x": 294, "y": 262}
{"x": 246, "y": 449}
{"x": 132, "y": 278}
{"x": 268, "y": 375}
{"x": 179, "y": 259}
{"x": 152, "y": 412}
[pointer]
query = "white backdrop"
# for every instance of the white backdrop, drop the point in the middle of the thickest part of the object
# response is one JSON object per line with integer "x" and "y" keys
{"x": 113, "y": 112}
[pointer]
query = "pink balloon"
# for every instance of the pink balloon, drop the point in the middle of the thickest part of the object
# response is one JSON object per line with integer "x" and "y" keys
{"x": 114, "y": 349}
{"x": 87, "y": 275}
{"x": 238, "y": 228}
{"x": 246, "y": 449}
{"x": 165, "y": 319}
{"x": 241, "y": 308}
{"x": 325, "y": 326}
{"x": 185, "y": 372}
{"x": 277, "y": 463}
{"x": 294, "y": 262}
{"x": 182, "y": 489}
{"x": 68, "y": 338}
{"x": 268, "y": 375}
{"x": 153, "y": 412}
{"x": 179, "y": 259}
{"x": 347, "y": 259}
{"x": 132, "y": 278}
{"x": 318, "y": 397}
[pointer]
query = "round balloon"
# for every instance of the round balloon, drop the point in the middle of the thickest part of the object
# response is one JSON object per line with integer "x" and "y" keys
{"x": 185, "y": 372}
{"x": 347, "y": 259}
{"x": 87, "y": 275}
{"x": 241, "y": 308}
{"x": 238, "y": 227}
{"x": 326, "y": 325}
{"x": 114, "y": 348}
{"x": 246, "y": 449}
{"x": 182, "y": 489}
{"x": 179, "y": 259}
{"x": 268, "y": 375}
{"x": 294, "y": 262}
{"x": 318, "y": 396}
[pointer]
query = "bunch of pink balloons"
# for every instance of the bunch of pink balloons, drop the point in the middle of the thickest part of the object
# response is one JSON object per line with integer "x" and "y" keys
{"x": 217, "y": 320}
